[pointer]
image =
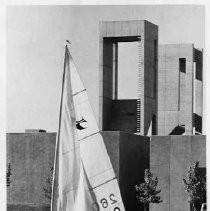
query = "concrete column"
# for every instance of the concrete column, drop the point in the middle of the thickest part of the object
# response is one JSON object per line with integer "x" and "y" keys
{"x": 115, "y": 71}
{"x": 189, "y": 96}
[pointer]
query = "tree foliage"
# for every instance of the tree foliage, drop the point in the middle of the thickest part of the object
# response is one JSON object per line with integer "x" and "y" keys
{"x": 147, "y": 191}
{"x": 48, "y": 185}
{"x": 195, "y": 185}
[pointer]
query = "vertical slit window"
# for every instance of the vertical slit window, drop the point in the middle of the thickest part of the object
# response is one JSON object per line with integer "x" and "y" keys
{"x": 154, "y": 125}
{"x": 182, "y": 65}
{"x": 155, "y": 68}
{"x": 182, "y": 69}
{"x": 179, "y": 90}
{"x": 115, "y": 71}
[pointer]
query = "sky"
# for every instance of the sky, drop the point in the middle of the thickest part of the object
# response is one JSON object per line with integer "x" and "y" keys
{"x": 35, "y": 52}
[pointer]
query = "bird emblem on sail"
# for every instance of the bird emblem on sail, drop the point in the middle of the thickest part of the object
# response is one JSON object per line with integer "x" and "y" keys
{"x": 84, "y": 179}
{"x": 81, "y": 124}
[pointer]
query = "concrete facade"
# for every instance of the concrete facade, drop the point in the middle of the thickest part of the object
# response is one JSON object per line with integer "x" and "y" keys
{"x": 144, "y": 109}
{"x": 129, "y": 154}
{"x": 31, "y": 156}
{"x": 169, "y": 96}
{"x": 170, "y": 158}
{"x": 180, "y": 88}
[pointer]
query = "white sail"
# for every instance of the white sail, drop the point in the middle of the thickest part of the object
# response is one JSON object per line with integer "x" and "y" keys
{"x": 100, "y": 189}
{"x": 67, "y": 156}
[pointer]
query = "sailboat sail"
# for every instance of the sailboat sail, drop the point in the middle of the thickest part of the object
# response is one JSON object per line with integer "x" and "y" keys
{"x": 67, "y": 155}
{"x": 89, "y": 182}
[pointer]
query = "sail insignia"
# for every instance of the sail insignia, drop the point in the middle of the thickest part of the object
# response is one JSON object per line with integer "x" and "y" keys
{"x": 80, "y": 124}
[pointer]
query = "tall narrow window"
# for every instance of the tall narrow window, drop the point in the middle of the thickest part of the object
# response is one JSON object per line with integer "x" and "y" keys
{"x": 154, "y": 125}
{"x": 182, "y": 69}
{"x": 182, "y": 65}
{"x": 194, "y": 87}
{"x": 155, "y": 68}
{"x": 115, "y": 71}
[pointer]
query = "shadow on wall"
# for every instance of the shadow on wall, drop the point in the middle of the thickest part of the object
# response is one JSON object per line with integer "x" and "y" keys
{"x": 198, "y": 57}
{"x": 178, "y": 130}
{"x": 198, "y": 123}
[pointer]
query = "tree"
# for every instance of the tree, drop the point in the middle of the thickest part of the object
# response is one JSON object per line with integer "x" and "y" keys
{"x": 8, "y": 174}
{"x": 195, "y": 186}
{"x": 48, "y": 185}
{"x": 147, "y": 191}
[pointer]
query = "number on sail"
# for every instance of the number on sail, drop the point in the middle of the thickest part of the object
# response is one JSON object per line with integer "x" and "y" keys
{"x": 104, "y": 203}
{"x": 113, "y": 201}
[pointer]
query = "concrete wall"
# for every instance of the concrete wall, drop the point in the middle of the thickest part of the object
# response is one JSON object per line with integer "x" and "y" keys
{"x": 134, "y": 159}
{"x": 112, "y": 143}
{"x": 129, "y": 154}
{"x": 150, "y": 75}
{"x": 111, "y": 33}
{"x": 198, "y": 90}
{"x": 28, "y": 207}
{"x": 179, "y": 94}
{"x": 123, "y": 116}
{"x": 31, "y": 156}
{"x": 170, "y": 158}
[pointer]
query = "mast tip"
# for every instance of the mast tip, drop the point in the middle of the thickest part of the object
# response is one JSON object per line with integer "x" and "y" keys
{"x": 68, "y": 42}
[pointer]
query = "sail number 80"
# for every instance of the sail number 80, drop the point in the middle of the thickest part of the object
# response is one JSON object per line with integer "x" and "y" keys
{"x": 105, "y": 203}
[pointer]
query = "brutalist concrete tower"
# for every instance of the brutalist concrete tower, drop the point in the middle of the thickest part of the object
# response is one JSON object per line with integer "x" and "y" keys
{"x": 180, "y": 90}
{"x": 137, "y": 115}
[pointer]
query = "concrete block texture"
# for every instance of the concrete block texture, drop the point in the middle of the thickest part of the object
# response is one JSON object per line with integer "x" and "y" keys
{"x": 112, "y": 143}
{"x": 29, "y": 207}
{"x": 134, "y": 159}
{"x": 105, "y": 105}
{"x": 170, "y": 159}
{"x": 179, "y": 91}
{"x": 121, "y": 28}
{"x": 198, "y": 150}
{"x": 123, "y": 116}
{"x": 180, "y": 153}
{"x": 31, "y": 156}
{"x": 186, "y": 50}
{"x": 160, "y": 167}
{"x": 172, "y": 51}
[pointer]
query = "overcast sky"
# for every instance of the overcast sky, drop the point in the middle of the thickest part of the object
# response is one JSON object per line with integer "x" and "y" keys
{"x": 35, "y": 52}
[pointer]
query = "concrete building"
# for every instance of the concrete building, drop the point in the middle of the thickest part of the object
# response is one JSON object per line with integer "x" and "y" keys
{"x": 126, "y": 124}
{"x": 170, "y": 158}
{"x": 137, "y": 115}
{"x": 31, "y": 157}
{"x": 180, "y": 89}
